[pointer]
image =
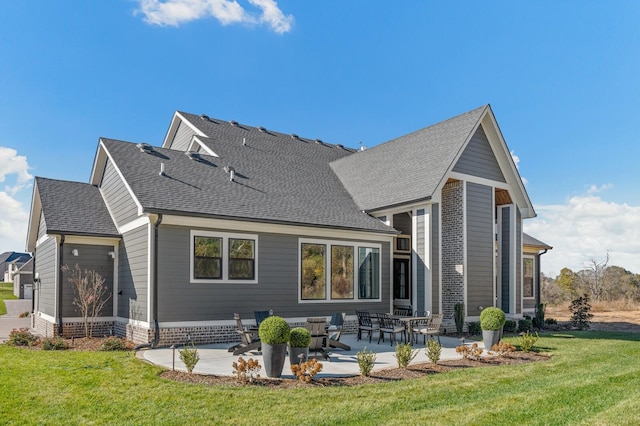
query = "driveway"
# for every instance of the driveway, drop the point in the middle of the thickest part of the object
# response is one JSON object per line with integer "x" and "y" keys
{"x": 11, "y": 320}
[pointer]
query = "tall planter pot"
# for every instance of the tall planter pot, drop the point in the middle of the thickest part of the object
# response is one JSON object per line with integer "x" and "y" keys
{"x": 491, "y": 337}
{"x": 273, "y": 357}
{"x": 294, "y": 355}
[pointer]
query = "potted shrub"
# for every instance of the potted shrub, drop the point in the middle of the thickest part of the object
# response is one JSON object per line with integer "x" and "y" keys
{"x": 299, "y": 341}
{"x": 274, "y": 334}
{"x": 492, "y": 320}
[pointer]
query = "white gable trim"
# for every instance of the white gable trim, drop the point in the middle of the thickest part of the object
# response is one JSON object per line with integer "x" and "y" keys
{"x": 173, "y": 128}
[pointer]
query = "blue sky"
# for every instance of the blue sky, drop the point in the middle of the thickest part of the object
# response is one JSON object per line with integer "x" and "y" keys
{"x": 563, "y": 79}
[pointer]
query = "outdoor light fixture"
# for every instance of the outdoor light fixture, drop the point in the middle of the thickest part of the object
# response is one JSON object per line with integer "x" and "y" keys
{"x": 112, "y": 254}
{"x": 74, "y": 252}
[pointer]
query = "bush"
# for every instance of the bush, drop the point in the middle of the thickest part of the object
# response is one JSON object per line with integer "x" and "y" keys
{"x": 246, "y": 371}
{"x": 472, "y": 352}
{"x": 538, "y": 319}
{"x": 54, "y": 344}
{"x": 433, "y": 350}
{"x": 365, "y": 361}
{"x": 474, "y": 328}
{"x": 581, "y": 312}
{"x": 274, "y": 330}
{"x": 459, "y": 317}
{"x": 113, "y": 344}
{"x": 190, "y": 357}
{"x": 550, "y": 321}
{"x": 510, "y": 326}
{"x": 405, "y": 354}
{"x": 23, "y": 315}
{"x": 22, "y": 337}
{"x": 492, "y": 318}
{"x": 527, "y": 341}
{"x": 307, "y": 370}
{"x": 299, "y": 337}
{"x": 525, "y": 324}
{"x": 503, "y": 348}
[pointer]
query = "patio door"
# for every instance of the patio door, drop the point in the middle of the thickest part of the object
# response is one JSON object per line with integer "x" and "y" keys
{"x": 401, "y": 279}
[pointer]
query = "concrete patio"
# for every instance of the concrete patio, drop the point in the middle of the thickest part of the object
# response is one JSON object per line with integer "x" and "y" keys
{"x": 216, "y": 360}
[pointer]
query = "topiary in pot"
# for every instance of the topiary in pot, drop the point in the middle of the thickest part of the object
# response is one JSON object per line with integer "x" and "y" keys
{"x": 274, "y": 334}
{"x": 299, "y": 341}
{"x": 492, "y": 320}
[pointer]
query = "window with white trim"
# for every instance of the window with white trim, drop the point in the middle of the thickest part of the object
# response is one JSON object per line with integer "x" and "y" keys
{"x": 328, "y": 271}
{"x": 528, "y": 277}
{"x": 223, "y": 257}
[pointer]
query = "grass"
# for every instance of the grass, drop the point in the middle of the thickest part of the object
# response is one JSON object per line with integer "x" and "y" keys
{"x": 6, "y": 292}
{"x": 592, "y": 378}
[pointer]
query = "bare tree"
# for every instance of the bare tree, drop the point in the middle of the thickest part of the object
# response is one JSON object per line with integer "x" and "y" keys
{"x": 592, "y": 277}
{"x": 91, "y": 295}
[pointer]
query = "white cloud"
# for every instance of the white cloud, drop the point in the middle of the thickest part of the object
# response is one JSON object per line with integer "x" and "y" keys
{"x": 516, "y": 161}
{"x": 594, "y": 189}
{"x": 176, "y": 12}
{"x": 585, "y": 227}
{"x": 14, "y": 172}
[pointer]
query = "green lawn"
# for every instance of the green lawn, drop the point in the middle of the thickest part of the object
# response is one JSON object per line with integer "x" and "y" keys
{"x": 593, "y": 378}
{"x": 6, "y": 292}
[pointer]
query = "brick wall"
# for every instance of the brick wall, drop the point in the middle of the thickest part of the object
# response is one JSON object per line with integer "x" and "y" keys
{"x": 452, "y": 247}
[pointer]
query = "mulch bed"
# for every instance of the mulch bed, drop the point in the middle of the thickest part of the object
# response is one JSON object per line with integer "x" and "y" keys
{"x": 414, "y": 371}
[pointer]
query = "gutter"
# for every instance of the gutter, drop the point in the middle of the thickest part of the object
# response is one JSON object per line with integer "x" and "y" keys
{"x": 538, "y": 290}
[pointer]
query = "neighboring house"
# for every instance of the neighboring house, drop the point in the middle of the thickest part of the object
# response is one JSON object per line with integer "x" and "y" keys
{"x": 532, "y": 250}
{"x": 23, "y": 281}
{"x": 226, "y": 218}
{"x": 10, "y": 262}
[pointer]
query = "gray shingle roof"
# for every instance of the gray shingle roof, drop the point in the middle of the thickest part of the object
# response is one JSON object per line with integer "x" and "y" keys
{"x": 408, "y": 168}
{"x": 530, "y": 241}
{"x": 278, "y": 179}
{"x": 74, "y": 208}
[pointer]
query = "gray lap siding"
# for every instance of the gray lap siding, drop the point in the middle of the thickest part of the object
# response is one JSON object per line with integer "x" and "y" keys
{"x": 45, "y": 255}
{"x": 117, "y": 197}
{"x": 480, "y": 247}
{"x": 277, "y": 288}
{"x": 133, "y": 274}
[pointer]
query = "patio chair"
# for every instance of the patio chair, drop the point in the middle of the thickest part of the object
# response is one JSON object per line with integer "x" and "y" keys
{"x": 248, "y": 340}
{"x": 432, "y": 328}
{"x": 335, "y": 331}
{"x": 403, "y": 312}
{"x": 365, "y": 323}
{"x": 389, "y": 325}
{"x": 261, "y": 316}
{"x": 417, "y": 325}
{"x": 317, "y": 328}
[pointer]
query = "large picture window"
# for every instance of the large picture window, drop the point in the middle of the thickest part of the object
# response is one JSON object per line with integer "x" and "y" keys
{"x": 221, "y": 257}
{"x": 528, "y": 277}
{"x": 328, "y": 271}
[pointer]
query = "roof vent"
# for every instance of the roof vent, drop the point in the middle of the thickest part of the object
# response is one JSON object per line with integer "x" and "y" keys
{"x": 340, "y": 146}
{"x": 294, "y": 136}
{"x": 231, "y": 171}
{"x": 233, "y": 123}
{"x": 319, "y": 142}
{"x": 244, "y": 141}
{"x": 362, "y": 147}
{"x": 193, "y": 155}
{"x": 205, "y": 117}
{"x": 145, "y": 147}
{"x": 262, "y": 129}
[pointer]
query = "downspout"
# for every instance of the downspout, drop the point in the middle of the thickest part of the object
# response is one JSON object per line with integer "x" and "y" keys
{"x": 59, "y": 301}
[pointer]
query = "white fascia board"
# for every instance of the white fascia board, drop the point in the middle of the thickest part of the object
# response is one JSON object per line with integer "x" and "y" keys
{"x": 409, "y": 207}
{"x": 96, "y": 241}
{"x": 99, "y": 163}
{"x": 507, "y": 165}
{"x": 196, "y": 140}
{"x": 34, "y": 220}
{"x": 479, "y": 180}
{"x": 173, "y": 128}
{"x": 259, "y": 227}
{"x": 124, "y": 181}
{"x": 134, "y": 224}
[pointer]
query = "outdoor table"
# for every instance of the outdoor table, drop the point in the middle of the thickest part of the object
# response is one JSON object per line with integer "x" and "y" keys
{"x": 408, "y": 320}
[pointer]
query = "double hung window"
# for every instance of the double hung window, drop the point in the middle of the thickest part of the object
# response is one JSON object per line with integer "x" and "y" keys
{"x": 220, "y": 257}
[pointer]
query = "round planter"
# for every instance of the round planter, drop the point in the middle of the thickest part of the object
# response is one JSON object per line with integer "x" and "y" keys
{"x": 491, "y": 337}
{"x": 273, "y": 357}
{"x": 294, "y": 355}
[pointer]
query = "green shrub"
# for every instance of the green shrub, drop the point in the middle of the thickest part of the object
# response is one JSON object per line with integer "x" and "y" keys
{"x": 22, "y": 337}
{"x": 581, "y": 312}
{"x": 113, "y": 344}
{"x": 365, "y": 361}
{"x": 24, "y": 315}
{"x": 433, "y": 350}
{"x": 492, "y": 318}
{"x": 527, "y": 341}
{"x": 459, "y": 317}
{"x": 274, "y": 330}
{"x": 510, "y": 326}
{"x": 300, "y": 337}
{"x": 190, "y": 357}
{"x": 538, "y": 319}
{"x": 525, "y": 324}
{"x": 405, "y": 354}
{"x": 550, "y": 321}
{"x": 54, "y": 344}
{"x": 474, "y": 328}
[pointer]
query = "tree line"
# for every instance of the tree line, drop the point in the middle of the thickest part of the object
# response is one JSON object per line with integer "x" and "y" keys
{"x": 601, "y": 281}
